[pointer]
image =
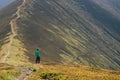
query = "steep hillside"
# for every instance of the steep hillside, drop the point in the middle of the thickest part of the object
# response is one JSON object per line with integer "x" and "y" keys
{"x": 110, "y": 5}
{"x": 6, "y": 15}
{"x": 66, "y": 31}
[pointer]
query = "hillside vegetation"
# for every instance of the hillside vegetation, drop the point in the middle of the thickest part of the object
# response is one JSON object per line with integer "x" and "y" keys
{"x": 8, "y": 72}
{"x": 70, "y": 72}
{"x": 71, "y": 35}
{"x": 53, "y": 71}
{"x": 72, "y": 32}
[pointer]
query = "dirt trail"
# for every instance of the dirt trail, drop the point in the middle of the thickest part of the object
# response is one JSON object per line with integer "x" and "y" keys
{"x": 13, "y": 31}
{"x": 24, "y": 70}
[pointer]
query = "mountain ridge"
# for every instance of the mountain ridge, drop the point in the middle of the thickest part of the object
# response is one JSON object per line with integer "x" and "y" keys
{"x": 71, "y": 32}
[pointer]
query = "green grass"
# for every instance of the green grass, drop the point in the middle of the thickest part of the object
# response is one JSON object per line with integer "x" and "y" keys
{"x": 54, "y": 76}
{"x": 60, "y": 72}
{"x": 8, "y": 72}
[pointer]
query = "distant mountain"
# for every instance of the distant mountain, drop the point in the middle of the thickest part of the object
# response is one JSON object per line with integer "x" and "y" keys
{"x": 83, "y": 32}
{"x": 3, "y": 3}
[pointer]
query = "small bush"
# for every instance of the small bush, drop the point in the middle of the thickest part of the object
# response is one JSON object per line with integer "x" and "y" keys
{"x": 34, "y": 70}
{"x": 94, "y": 69}
{"x": 50, "y": 76}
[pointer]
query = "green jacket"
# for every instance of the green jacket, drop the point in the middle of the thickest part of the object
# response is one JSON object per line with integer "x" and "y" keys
{"x": 37, "y": 53}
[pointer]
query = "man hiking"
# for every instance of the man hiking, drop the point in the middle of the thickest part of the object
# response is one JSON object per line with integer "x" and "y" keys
{"x": 37, "y": 54}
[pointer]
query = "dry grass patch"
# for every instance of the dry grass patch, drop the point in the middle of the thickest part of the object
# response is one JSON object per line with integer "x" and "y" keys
{"x": 69, "y": 72}
{"x": 8, "y": 72}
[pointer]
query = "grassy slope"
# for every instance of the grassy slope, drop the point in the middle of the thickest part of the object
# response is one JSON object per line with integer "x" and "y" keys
{"x": 69, "y": 72}
{"x": 65, "y": 32}
{"x": 46, "y": 37}
{"x": 68, "y": 32}
{"x": 52, "y": 71}
{"x": 6, "y": 15}
{"x": 8, "y": 72}
{"x": 16, "y": 48}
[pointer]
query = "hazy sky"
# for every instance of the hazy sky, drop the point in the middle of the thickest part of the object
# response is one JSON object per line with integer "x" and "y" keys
{"x": 3, "y": 3}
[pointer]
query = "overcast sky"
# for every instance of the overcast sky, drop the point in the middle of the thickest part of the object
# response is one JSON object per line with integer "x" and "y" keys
{"x": 3, "y": 3}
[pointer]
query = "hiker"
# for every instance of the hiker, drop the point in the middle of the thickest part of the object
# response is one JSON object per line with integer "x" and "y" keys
{"x": 37, "y": 54}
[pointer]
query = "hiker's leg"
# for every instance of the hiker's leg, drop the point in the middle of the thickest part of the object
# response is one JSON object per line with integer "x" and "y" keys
{"x": 39, "y": 60}
{"x": 36, "y": 60}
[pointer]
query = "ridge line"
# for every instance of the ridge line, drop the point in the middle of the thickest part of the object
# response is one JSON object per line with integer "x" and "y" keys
{"x": 13, "y": 24}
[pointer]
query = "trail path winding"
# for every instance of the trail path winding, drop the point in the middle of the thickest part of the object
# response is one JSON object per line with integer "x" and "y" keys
{"x": 24, "y": 70}
{"x": 13, "y": 31}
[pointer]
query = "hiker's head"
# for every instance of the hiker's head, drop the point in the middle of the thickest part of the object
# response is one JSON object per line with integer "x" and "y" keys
{"x": 37, "y": 49}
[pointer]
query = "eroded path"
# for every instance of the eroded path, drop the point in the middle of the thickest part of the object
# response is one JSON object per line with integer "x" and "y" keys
{"x": 13, "y": 33}
{"x": 25, "y": 71}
